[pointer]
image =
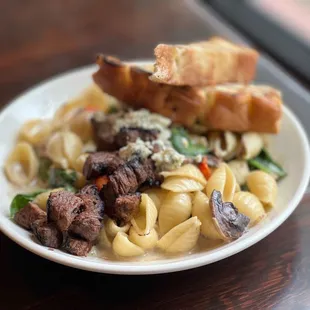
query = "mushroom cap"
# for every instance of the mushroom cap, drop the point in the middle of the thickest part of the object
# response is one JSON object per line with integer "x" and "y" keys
{"x": 228, "y": 220}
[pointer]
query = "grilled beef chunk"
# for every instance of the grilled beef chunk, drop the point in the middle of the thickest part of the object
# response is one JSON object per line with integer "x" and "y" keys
{"x": 101, "y": 163}
{"x": 103, "y": 128}
{"x": 90, "y": 189}
{"x": 47, "y": 233}
{"x": 126, "y": 135}
{"x": 126, "y": 180}
{"x": 30, "y": 213}
{"x": 125, "y": 208}
{"x": 62, "y": 208}
{"x": 77, "y": 217}
{"x": 76, "y": 246}
{"x": 90, "y": 196}
{"x": 106, "y": 141}
{"x": 86, "y": 225}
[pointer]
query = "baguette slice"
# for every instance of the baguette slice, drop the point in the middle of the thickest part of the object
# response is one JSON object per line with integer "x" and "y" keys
{"x": 132, "y": 85}
{"x": 243, "y": 108}
{"x": 233, "y": 107}
{"x": 216, "y": 61}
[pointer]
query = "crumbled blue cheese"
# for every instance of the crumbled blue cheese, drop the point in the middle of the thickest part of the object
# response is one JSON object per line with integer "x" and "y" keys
{"x": 168, "y": 159}
{"x": 144, "y": 119}
{"x": 161, "y": 145}
{"x": 139, "y": 148}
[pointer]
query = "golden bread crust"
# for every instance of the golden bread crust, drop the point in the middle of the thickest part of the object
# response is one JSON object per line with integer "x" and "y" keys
{"x": 244, "y": 108}
{"x": 132, "y": 85}
{"x": 233, "y": 107}
{"x": 215, "y": 61}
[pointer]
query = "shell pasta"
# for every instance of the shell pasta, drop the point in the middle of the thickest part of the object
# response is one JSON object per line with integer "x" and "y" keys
{"x": 146, "y": 242}
{"x": 224, "y": 181}
{"x": 187, "y": 171}
{"x": 35, "y": 131}
{"x": 263, "y": 186}
{"x": 112, "y": 228}
{"x": 145, "y": 220}
{"x": 181, "y": 238}
{"x": 176, "y": 208}
{"x": 92, "y": 99}
{"x": 22, "y": 164}
{"x": 63, "y": 148}
{"x": 249, "y": 205}
{"x": 202, "y": 210}
{"x": 122, "y": 246}
{"x": 180, "y": 185}
{"x": 157, "y": 195}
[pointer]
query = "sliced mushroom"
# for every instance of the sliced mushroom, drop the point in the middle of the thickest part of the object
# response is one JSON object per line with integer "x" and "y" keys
{"x": 230, "y": 223}
{"x": 213, "y": 161}
{"x": 251, "y": 145}
{"x": 224, "y": 144}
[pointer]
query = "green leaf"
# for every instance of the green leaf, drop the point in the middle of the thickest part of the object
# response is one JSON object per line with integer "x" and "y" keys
{"x": 44, "y": 166}
{"x": 21, "y": 200}
{"x": 244, "y": 188}
{"x": 182, "y": 142}
{"x": 112, "y": 110}
{"x": 62, "y": 178}
{"x": 70, "y": 188}
{"x": 265, "y": 162}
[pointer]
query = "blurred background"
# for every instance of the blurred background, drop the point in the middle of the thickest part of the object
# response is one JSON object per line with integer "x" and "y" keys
{"x": 280, "y": 27}
{"x": 41, "y": 38}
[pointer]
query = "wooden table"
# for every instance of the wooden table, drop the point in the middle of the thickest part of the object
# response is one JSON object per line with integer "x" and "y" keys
{"x": 41, "y": 38}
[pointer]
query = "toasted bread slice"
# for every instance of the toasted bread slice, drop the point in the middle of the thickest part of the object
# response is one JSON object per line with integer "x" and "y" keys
{"x": 233, "y": 107}
{"x": 242, "y": 108}
{"x": 132, "y": 85}
{"x": 216, "y": 61}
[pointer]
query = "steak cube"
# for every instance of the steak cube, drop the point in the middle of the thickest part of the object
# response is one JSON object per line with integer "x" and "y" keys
{"x": 77, "y": 246}
{"x": 86, "y": 226}
{"x": 27, "y": 215}
{"x": 124, "y": 208}
{"x": 62, "y": 208}
{"x": 47, "y": 233}
{"x": 92, "y": 201}
{"x": 101, "y": 163}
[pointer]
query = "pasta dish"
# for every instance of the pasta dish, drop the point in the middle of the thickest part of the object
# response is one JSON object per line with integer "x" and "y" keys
{"x": 152, "y": 160}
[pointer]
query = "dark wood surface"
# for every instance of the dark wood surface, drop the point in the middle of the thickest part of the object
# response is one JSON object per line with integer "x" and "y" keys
{"x": 41, "y": 38}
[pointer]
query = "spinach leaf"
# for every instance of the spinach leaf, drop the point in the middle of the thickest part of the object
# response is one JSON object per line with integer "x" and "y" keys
{"x": 21, "y": 200}
{"x": 244, "y": 188}
{"x": 62, "y": 178}
{"x": 113, "y": 109}
{"x": 182, "y": 142}
{"x": 44, "y": 166}
{"x": 265, "y": 162}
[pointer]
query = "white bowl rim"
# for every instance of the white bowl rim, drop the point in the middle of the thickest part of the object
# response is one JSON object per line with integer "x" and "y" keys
{"x": 155, "y": 268}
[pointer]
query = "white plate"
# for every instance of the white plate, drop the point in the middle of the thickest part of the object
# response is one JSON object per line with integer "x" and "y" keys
{"x": 290, "y": 148}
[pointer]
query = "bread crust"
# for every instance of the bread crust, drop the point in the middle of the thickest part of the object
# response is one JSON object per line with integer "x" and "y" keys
{"x": 241, "y": 108}
{"x": 233, "y": 107}
{"x": 215, "y": 61}
{"x": 132, "y": 85}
